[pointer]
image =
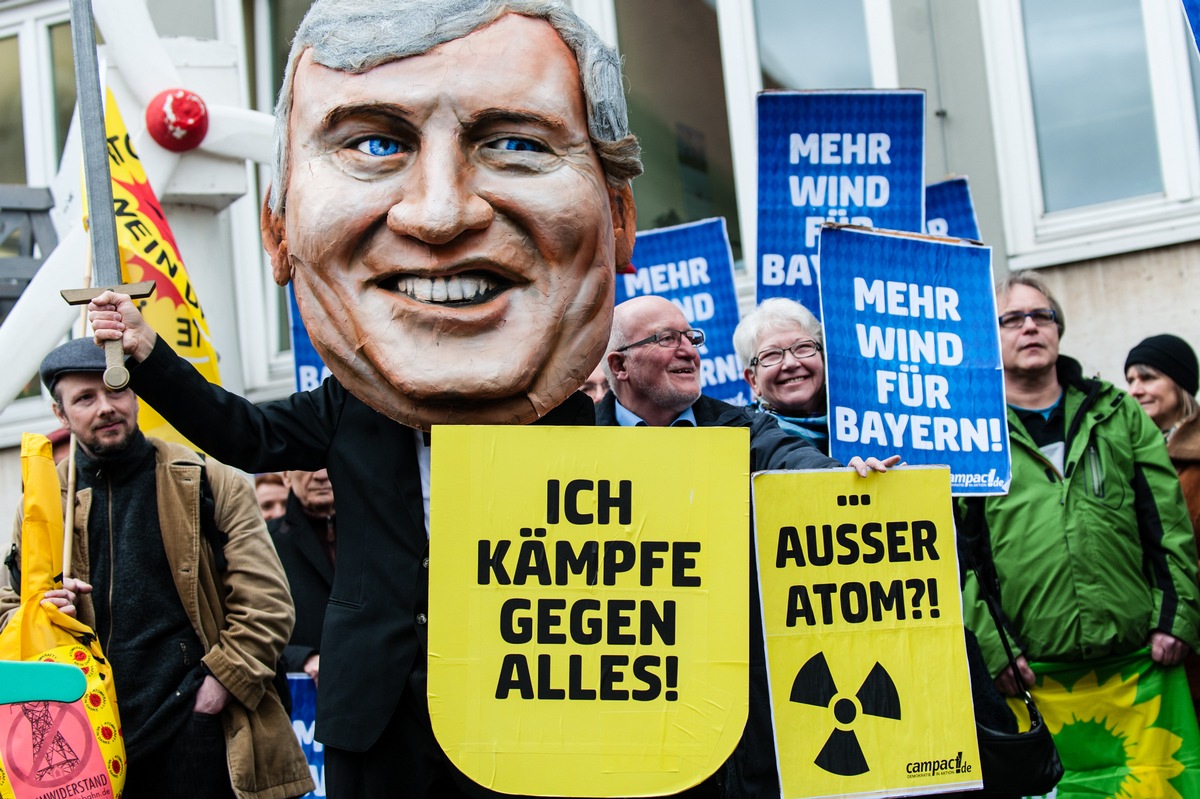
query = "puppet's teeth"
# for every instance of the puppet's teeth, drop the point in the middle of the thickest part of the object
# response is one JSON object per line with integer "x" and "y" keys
{"x": 422, "y": 289}
{"x": 456, "y": 288}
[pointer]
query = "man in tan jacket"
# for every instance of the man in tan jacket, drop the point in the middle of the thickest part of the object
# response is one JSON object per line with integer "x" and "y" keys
{"x": 178, "y": 577}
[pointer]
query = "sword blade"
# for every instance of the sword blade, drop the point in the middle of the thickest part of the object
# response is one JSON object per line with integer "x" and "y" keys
{"x": 106, "y": 259}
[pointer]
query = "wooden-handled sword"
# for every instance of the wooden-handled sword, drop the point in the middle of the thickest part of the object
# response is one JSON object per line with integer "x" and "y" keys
{"x": 106, "y": 255}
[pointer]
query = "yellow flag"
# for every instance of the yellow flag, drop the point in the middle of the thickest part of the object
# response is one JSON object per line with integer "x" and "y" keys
{"x": 149, "y": 252}
{"x": 63, "y": 737}
{"x": 42, "y": 530}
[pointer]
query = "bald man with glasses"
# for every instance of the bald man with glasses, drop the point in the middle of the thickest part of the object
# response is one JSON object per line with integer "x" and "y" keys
{"x": 653, "y": 369}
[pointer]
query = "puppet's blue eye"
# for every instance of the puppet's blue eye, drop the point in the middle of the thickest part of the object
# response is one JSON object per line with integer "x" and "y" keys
{"x": 378, "y": 146}
{"x": 517, "y": 145}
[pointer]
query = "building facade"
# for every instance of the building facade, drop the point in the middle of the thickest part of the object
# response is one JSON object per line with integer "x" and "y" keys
{"x": 1075, "y": 120}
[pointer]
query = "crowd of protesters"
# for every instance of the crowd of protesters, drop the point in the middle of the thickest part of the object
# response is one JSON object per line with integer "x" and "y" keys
{"x": 1092, "y": 552}
{"x": 650, "y": 369}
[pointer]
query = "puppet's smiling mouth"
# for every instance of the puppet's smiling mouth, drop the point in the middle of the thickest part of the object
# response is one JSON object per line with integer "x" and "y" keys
{"x": 466, "y": 288}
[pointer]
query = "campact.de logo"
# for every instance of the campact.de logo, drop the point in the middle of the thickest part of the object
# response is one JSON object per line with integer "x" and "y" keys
{"x": 932, "y": 768}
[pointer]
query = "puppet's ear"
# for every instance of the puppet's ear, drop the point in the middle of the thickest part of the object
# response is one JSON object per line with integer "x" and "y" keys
{"x": 274, "y": 239}
{"x": 624, "y": 217}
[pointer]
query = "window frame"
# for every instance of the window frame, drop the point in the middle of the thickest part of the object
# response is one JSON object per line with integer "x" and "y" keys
{"x": 1037, "y": 238}
{"x": 267, "y": 364}
{"x": 30, "y": 23}
{"x": 743, "y": 81}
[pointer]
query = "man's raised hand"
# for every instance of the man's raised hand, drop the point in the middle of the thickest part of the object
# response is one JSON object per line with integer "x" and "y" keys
{"x": 114, "y": 317}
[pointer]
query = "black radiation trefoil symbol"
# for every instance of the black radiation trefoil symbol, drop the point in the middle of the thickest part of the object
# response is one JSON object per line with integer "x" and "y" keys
{"x": 814, "y": 685}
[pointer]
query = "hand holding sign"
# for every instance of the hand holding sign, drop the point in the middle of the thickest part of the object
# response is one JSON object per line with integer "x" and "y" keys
{"x": 913, "y": 354}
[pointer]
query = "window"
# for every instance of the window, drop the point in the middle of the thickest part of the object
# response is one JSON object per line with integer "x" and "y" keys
{"x": 37, "y": 93}
{"x": 792, "y": 44}
{"x": 812, "y": 44}
{"x": 63, "y": 75}
{"x": 273, "y": 27}
{"x": 269, "y": 26}
{"x": 676, "y": 96}
{"x": 1094, "y": 103}
{"x": 12, "y": 133}
{"x": 1089, "y": 80}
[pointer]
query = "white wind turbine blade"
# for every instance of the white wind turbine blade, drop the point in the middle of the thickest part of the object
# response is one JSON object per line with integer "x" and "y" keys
{"x": 145, "y": 66}
{"x": 40, "y": 317}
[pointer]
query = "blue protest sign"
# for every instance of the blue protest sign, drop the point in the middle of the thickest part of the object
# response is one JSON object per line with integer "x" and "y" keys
{"x": 310, "y": 369}
{"x": 949, "y": 210}
{"x": 692, "y": 266}
{"x": 854, "y": 157}
{"x": 913, "y": 355}
{"x": 1192, "y": 7}
{"x": 304, "y": 721}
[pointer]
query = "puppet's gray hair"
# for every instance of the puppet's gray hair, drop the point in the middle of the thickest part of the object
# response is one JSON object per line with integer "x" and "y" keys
{"x": 357, "y": 35}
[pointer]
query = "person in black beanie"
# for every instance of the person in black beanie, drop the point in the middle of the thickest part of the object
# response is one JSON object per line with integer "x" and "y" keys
{"x": 1163, "y": 377}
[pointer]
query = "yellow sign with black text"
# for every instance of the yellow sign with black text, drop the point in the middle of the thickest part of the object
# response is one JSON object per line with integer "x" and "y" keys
{"x": 588, "y": 605}
{"x": 870, "y": 691}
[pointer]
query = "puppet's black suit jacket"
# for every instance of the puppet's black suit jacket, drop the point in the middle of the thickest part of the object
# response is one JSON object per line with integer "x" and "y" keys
{"x": 374, "y": 640}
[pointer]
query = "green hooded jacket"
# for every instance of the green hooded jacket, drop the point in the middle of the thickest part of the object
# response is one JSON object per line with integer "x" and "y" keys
{"x": 1089, "y": 561}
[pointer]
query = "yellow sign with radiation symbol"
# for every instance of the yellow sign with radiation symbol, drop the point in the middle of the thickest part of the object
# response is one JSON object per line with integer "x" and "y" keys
{"x": 588, "y": 605}
{"x": 870, "y": 691}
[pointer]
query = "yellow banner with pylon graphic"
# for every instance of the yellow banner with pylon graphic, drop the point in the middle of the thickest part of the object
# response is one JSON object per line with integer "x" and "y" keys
{"x": 149, "y": 252}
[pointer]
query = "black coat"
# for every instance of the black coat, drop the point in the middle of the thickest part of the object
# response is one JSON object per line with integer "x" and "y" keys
{"x": 771, "y": 447}
{"x": 310, "y": 575}
{"x": 751, "y": 770}
{"x": 375, "y": 637}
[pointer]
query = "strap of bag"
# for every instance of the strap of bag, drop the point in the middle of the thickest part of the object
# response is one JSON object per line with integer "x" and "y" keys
{"x": 973, "y": 524}
{"x": 990, "y": 600}
{"x": 208, "y": 519}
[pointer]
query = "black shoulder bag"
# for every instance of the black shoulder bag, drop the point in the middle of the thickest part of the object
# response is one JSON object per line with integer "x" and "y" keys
{"x": 1018, "y": 763}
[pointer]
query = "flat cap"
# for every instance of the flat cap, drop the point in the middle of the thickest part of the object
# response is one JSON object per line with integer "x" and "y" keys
{"x": 77, "y": 355}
